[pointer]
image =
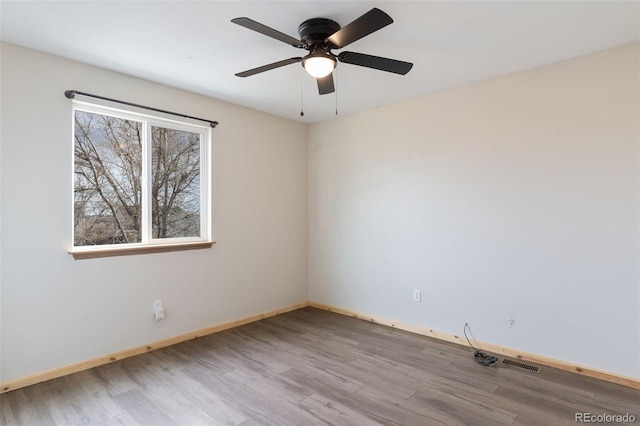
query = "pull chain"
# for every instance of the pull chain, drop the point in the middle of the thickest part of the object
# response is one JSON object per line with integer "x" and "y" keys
{"x": 335, "y": 78}
{"x": 301, "y": 92}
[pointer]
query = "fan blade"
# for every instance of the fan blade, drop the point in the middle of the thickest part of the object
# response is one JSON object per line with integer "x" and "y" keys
{"x": 369, "y": 61}
{"x": 368, "y": 23}
{"x": 268, "y": 67}
{"x": 325, "y": 85}
{"x": 269, "y": 32}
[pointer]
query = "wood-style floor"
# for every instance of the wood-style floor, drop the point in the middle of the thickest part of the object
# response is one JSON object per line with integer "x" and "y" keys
{"x": 311, "y": 367}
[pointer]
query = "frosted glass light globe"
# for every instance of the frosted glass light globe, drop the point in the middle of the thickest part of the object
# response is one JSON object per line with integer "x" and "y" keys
{"x": 319, "y": 66}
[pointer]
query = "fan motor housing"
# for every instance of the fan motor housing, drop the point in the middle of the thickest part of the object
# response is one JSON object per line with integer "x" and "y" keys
{"x": 315, "y": 31}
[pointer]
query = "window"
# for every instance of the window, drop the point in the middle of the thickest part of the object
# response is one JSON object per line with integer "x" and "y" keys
{"x": 140, "y": 182}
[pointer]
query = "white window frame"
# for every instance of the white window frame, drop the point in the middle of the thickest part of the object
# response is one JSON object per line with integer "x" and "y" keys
{"x": 149, "y": 244}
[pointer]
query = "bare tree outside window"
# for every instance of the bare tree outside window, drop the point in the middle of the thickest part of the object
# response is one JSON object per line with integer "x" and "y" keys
{"x": 175, "y": 188}
{"x": 108, "y": 170}
{"x": 108, "y": 181}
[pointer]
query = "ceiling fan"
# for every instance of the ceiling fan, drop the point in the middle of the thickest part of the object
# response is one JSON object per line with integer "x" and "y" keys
{"x": 319, "y": 36}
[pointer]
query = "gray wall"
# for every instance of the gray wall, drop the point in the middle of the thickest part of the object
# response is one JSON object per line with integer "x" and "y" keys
{"x": 513, "y": 196}
{"x": 58, "y": 311}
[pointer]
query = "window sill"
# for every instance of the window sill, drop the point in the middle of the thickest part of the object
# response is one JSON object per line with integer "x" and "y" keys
{"x": 129, "y": 251}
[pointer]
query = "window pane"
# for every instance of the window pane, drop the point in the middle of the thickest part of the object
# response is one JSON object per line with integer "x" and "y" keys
{"x": 175, "y": 190}
{"x": 107, "y": 180}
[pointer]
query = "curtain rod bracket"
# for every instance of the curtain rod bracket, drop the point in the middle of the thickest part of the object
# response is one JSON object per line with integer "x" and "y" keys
{"x": 70, "y": 94}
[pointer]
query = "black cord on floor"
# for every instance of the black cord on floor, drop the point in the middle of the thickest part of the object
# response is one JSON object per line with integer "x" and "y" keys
{"x": 480, "y": 357}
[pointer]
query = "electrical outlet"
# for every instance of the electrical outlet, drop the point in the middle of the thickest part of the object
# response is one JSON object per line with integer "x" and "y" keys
{"x": 417, "y": 295}
{"x": 158, "y": 310}
{"x": 159, "y": 314}
{"x": 511, "y": 321}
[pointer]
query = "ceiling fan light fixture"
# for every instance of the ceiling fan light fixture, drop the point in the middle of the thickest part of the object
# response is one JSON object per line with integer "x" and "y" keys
{"x": 319, "y": 36}
{"x": 319, "y": 65}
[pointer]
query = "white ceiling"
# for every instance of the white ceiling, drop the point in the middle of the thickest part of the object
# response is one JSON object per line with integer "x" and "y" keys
{"x": 194, "y": 46}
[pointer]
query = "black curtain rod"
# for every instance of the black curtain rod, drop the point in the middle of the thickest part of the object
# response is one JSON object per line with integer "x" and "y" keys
{"x": 72, "y": 94}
